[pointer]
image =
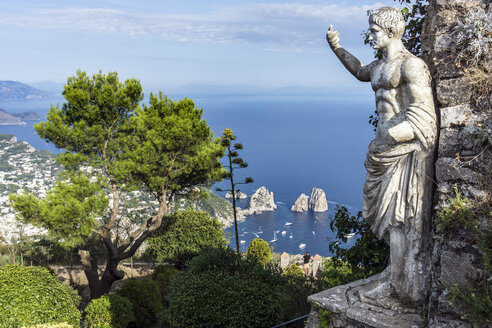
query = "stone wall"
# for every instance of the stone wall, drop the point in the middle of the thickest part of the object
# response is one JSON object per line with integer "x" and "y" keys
{"x": 455, "y": 257}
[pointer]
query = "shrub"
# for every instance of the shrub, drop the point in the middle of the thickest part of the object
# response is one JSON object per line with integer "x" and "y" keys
{"x": 146, "y": 301}
{"x": 162, "y": 275}
{"x": 109, "y": 311}
{"x": 457, "y": 215}
{"x": 221, "y": 289}
{"x": 261, "y": 250}
{"x": 52, "y": 325}
{"x": 368, "y": 255}
{"x": 31, "y": 295}
{"x": 336, "y": 273}
{"x": 293, "y": 270}
{"x": 184, "y": 234}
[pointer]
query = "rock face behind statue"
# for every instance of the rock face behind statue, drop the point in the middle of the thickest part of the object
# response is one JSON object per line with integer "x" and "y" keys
{"x": 261, "y": 201}
{"x": 317, "y": 201}
{"x": 301, "y": 204}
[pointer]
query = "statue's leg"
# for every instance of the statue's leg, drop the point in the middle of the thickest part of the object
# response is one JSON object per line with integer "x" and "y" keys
{"x": 398, "y": 245}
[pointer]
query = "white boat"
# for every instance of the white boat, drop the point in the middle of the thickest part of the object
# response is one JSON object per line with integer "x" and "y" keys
{"x": 291, "y": 236}
{"x": 284, "y": 232}
{"x": 350, "y": 235}
{"x": 301, "y": 246}
{"x": 287, "y": 224}
{"x": 260, "y": 232}
{"x": 280, "y": 202}
{"x": 274, "y": 237}
{"x": 242, "y": 241}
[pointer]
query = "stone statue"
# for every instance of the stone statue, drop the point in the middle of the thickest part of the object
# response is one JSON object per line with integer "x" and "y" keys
{"x": 398, "y": 186}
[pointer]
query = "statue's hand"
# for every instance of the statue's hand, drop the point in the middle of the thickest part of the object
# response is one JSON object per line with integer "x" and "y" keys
{"x": 333, "y": 37}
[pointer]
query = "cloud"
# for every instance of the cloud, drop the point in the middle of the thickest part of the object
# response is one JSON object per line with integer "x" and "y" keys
{"x": 293, "y": 24}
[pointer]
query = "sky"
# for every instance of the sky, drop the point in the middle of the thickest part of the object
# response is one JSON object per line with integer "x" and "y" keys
{"x": 240, "y": 44}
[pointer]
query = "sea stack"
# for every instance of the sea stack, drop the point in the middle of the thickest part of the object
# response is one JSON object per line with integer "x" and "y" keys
{"x": 317, "y": 201}
{"x": 301, "y": 204}
{"x": 239, "y": 195}
{"x": 261, "y": 201}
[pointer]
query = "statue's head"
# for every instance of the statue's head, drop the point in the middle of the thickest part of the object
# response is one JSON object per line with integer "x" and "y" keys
{"x": 390, "y": 20}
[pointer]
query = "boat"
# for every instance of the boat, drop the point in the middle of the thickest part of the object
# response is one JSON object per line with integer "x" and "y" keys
{"x": 291, "y": 236}
{"x": 242, "y": 241}
{"x": 274, "y": 237}
{"x": 350, "y": 235}
{"x": 287, "y": 224}
{"x": 284, "y": 232}
{"x": 301, "y": 246}
{"x": 314, "y": 233}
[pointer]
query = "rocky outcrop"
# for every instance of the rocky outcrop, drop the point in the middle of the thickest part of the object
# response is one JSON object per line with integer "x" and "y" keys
{"x": 261, "y": 201}
{"x": 239, "y": 195}
{"x": 317, "y": 201}
{"x": 301, "y": 204}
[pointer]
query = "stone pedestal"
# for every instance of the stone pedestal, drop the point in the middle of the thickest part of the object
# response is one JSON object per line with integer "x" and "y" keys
{"x": 348, "y": 307}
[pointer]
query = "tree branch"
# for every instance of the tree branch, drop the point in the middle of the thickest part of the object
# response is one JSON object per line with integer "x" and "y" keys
{"x": 155, "y": 223}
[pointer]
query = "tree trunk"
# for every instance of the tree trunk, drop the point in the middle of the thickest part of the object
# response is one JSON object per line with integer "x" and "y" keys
{"x": 99, "y": 287}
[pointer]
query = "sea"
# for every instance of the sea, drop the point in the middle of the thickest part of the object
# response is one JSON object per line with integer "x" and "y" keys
{"x": 292, "y": 144}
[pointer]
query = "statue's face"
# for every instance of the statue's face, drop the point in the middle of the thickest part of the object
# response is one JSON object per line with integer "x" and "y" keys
{"x": 378, "y": 37}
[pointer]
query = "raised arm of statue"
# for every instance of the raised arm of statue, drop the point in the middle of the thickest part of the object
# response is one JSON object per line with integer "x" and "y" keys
{"x": 351, "y": 63}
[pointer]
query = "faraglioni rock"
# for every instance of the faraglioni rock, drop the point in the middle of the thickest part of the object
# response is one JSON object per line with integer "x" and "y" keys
{"x": 239, "y": 195}
{"x": 260, "y": 201}
{"x": 301, "y": 204}
{"x": 317, "y": 200}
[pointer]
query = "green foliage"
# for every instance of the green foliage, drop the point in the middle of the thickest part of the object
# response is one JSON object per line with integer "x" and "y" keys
{"x": 336, "y": 273}
{"x": 146, "y": 301}
{"x": 162, "y": 275}
{"x": 294, "y": 271}
{"x": 368, "y": 255}
{"x": 325, "y": 317}
{"x": 169, "y": 147}
{"x": 457, "y": 215}
{"x": 184, "y": 234}
{"x": 222, "y": 289}
{"x": 32, "y": 295}
{"x": 69, "y": 210}
{"x": 52, "y": 325}
{"x": 234, "y": 162}
{"x": 108, "y": 311}
{"x": 261, "y": 250}
{"x": 112, "y": 146}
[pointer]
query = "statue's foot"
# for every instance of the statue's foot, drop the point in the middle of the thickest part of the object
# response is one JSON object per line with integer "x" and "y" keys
{"x": 382, "y": 290}
{"x": 385, "y": 275}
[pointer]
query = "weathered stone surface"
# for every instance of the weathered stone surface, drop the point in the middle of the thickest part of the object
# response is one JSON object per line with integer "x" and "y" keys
{"x": 453, "y": 92}
{"x": 349, "y": 309}
{"x": 457, "y": 267}
{"x": 261, "y": 201}
{"x": 448, "y": 169}
{"x": 317, "y": 201}
{"x": 449, "y": 142}
{"x": 301, "y": 204}
{"x": 455, "y": 115}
